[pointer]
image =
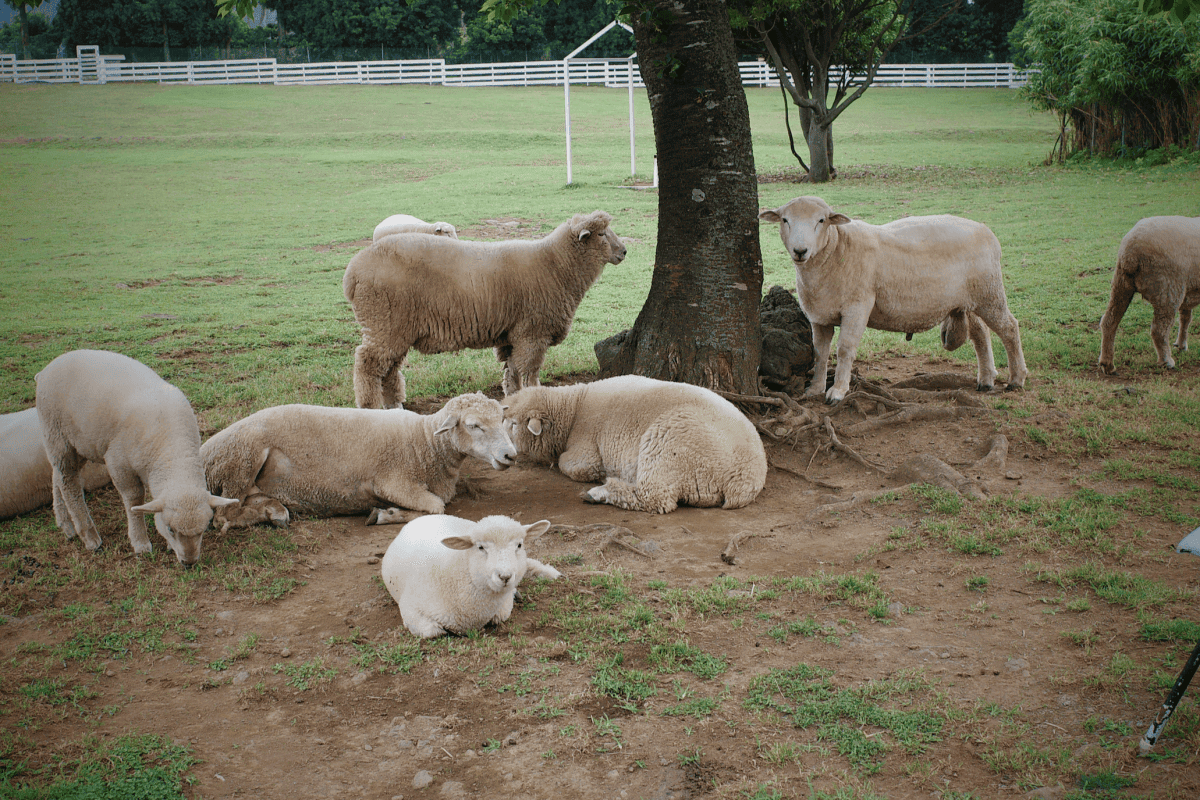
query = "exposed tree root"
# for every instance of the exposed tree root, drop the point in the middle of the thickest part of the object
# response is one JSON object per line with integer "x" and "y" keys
{"x": 911, "y": 413}
{"x": 802, "y": 476}
{"x": 734, "y": 543}
{"x": 835, "y": 443}
{"x": 858, "y": 498}
{"x": 609, "y": 535}
{"x": 937, "y": 381}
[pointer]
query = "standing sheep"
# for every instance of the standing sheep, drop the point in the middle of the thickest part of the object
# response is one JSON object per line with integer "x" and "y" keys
{"x": 441, "y": 295}
{"x": 94, "y": 405}
{"x": 448, "y": 574}
{"x": 1160, "y": 259}
{"x": 26, "y": 480}
{"x": 655, "y": 444}
{"x": 906, "y": 276}
{"x": 406, "y": 223}
{"x": 340, "y": 461}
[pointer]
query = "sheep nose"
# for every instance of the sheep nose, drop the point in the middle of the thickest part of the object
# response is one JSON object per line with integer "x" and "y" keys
{"x": 504, "y": 579}
{"x": 800, "y": 252}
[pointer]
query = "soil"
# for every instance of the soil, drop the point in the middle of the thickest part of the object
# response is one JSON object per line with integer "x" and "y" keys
{"x": 459, "y": 725}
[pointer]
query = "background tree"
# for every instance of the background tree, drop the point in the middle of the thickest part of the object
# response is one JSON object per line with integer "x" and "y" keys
{"x": 22, "y": 7}
{"x": 1120, "y": 81}
{"x": 972, "y": 33}
{"x": 1181, "y": 8}
{"x": 125, "y": 23}
{"x": 827, "y": 53}
{"x": 418, "y": 25}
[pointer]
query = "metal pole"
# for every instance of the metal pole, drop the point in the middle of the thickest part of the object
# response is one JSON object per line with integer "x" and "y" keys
{"x": 632, "y": 153}
{"x": 1168, "y": 708}
{"x": 567, "y": 97}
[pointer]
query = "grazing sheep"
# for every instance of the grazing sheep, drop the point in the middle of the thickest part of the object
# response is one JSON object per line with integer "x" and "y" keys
{"x": 440, "y": 295}
{"x": 98, "y": 406}
{"x": 341, "y": 461}
{"x": 655, "y": 444}
{"x": 1160, "y": 259}
{"x": 26, "y": 480}
{"x": 906, "y": 276}
{"x": 251, "y": 511}
{"x": 406, "y": 223}
{"x": 449, "y": 574}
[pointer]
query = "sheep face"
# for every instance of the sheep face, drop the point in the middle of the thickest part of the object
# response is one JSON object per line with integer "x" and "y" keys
{"x": 475, "y": 426}
{"x": 593, "y": 230}
{"x": 183, "y": 521}
{"x": 804, "y": 225}
{"x": 495, "y": 552}
{"x": 534, "y": 429}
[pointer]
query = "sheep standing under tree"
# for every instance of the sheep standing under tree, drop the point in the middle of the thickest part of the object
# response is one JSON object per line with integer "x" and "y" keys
{"x": 439, "y": 295}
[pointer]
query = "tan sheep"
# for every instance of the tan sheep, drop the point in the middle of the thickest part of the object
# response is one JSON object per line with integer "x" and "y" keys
{"x": 654, "y": 444}
{"x": 406, "y": 223}
{"x": 1160, "y": 259}
{"x": 340, "y": 461}
{"x": 908, "y": 276}
{"x": 441, "y": 295}
{"x": 26, "y": 480}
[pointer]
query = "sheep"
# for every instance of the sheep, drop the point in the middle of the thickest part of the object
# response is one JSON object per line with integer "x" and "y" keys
{"x": 251, "y": 511}
{"x": 655, "y": 444}
{"x": 440, "y": 295}
{"x": 345, "y": 461}
{"x": 451, "y": 575}
{"x": 907, "y": 276}
{"x": 95, "y": 405}
{"x": 406, "y": 223}
{"x": 1160, "y": 259}
{"x": 26, "y": 480}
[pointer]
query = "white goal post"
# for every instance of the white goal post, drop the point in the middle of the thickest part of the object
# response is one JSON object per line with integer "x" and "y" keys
{"x": 567, "y": 94}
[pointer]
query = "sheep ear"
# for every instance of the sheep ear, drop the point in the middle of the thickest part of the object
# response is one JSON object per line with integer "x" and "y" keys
{"x": 448, "y": 425}
{"x": 837, "y": 219}
{"x": 583, "y": 234}
{"x": 153, "y": 507}
{"x": 535, "y": 530}
{"x": 219, "y": 502}
{"x": 770, "y": 215}
{"x": 458, "y": 543}
{"x": 535, "y": 426}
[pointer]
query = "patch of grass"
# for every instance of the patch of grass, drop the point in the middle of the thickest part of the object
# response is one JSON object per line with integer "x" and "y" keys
{"x": 1118, "y": 588}
{"x": 143, "y": 766}
{"x": 395, "y": 659}
{"x": 681, "y": 656}
{"x": 308, "y": 675}
{"x": 628, "y": 686}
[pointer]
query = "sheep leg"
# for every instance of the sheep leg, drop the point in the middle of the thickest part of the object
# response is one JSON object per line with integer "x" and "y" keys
{"x": 854, "y": 324}
{"x": 523, "y": 365}
{"x": 539, "y": 570}
{"x": 981, "y": 340}
{"x": 1160, "y": 332}
{"x": 420, "y": 625}
{"x": 394, "y": 388}
{"x": 70, "y": 508}
{"x": 371, "y": 366}
{"x": 409, "y": 496}
{"x": 622, "y": 494}
{"x": 822, "y": 340}
{"x": 1185, "y": 320}
{"x": 582, "y": 464}
{"x": 1008, "y": 329}
{"x": 1123, "y": 289}
{"x": 133, "y": 493}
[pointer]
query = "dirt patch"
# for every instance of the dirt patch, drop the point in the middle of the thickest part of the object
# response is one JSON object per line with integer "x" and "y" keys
{"x": 524, "y": 710}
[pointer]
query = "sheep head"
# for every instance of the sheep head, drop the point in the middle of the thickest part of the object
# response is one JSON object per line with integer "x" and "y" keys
{"x": 538, "y": 427}
{"x": 182, "y": 521}
{"x": 495, "y": 551}
{"x": 592, "y": 230}
{"x": 804, "y": 226}
{"x": 474, "y": 424}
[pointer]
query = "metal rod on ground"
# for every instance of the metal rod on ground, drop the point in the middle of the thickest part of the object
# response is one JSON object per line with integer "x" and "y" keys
{"x": 1168, "y": 708}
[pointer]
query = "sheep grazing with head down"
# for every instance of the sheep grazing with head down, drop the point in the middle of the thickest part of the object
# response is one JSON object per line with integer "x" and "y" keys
{"x": 105, "y": 407}
{"x": 1160, "y": 259}
{"x": 441, "y": 295}
{"x": 655, "y": 444}
{"x": 451, "y": 575}
{"x": 908, "y": 276}
{"x": 339, "y": 461}
{"x": 26, "y": 480}
{"x": 406, "y": 223}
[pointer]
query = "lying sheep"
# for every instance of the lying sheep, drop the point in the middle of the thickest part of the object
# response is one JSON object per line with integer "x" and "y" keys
{"x": 406, "y": 223}
{"x": 253, "y": 510}
{"x": 341, "y": 461}
{"x": 26, "y": 480}
{"x": 98, "y": 406}
{"x": 906, "y": 276}
{"x": 449, "y": 574}
{"x": 655, "y": 444}
{"x": 1160, "y": 259}
{"x": 440, "y": 295}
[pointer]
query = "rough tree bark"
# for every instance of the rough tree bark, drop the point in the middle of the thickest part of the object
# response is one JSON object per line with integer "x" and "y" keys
{"x": 699, "y": 324}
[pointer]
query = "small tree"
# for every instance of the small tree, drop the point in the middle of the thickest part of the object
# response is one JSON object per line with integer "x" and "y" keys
{"x": 22, "y": 8}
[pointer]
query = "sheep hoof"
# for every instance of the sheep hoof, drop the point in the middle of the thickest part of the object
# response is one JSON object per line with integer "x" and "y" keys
{"x": 984, "y": 387}
{"x": 1108, "y": 369}
{"x": 587, "y": 497}
{"x": 1014, "y": 387}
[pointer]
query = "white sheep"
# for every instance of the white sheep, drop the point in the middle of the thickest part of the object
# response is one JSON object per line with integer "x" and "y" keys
{"x": 342, "y": 461}
{"x": 406, "y": 223}
{"x": 439, "y": 295}
{"x": 655, "y": 444}
{"x": 99, "y": 406}
{"x": 252, "y": 510}
{"x": 1160, "y": 259}
{"x": 907, "y": 276}
{"x": 451, "y": 575}
{"x": 26, "y": 480}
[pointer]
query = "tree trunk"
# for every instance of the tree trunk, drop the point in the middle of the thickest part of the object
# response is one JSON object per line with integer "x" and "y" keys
{"x": 820, "y": 153}
{"x": 24, "y": 14}
{"x": 699, "y": 324}
{"x": 166, "y": 43}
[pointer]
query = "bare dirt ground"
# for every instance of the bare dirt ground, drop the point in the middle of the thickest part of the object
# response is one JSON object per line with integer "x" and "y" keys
{"x": 516, "y": 712}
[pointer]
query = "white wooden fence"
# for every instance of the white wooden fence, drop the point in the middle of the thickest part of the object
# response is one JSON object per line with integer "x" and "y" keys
{"x": 601, "y": 71}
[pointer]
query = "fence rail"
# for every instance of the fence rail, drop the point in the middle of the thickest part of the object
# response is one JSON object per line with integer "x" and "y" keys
{"x": 612, "y": 72}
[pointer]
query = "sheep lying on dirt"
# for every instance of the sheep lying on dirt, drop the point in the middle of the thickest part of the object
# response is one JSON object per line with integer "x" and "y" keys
{"x": 255, "y": 509}
{"x": 406, "y": 223}
{"x": 342, "y": 461}
{"x": 449, "y": 574}
{"x": 655, "y": 444}
{"x": 439, "y": 295}
{"x": 907, "y": 276}
{"x": 98, "y": 406}
{"x": 26, "y": 480}
{"x": 1160, "y": 259}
